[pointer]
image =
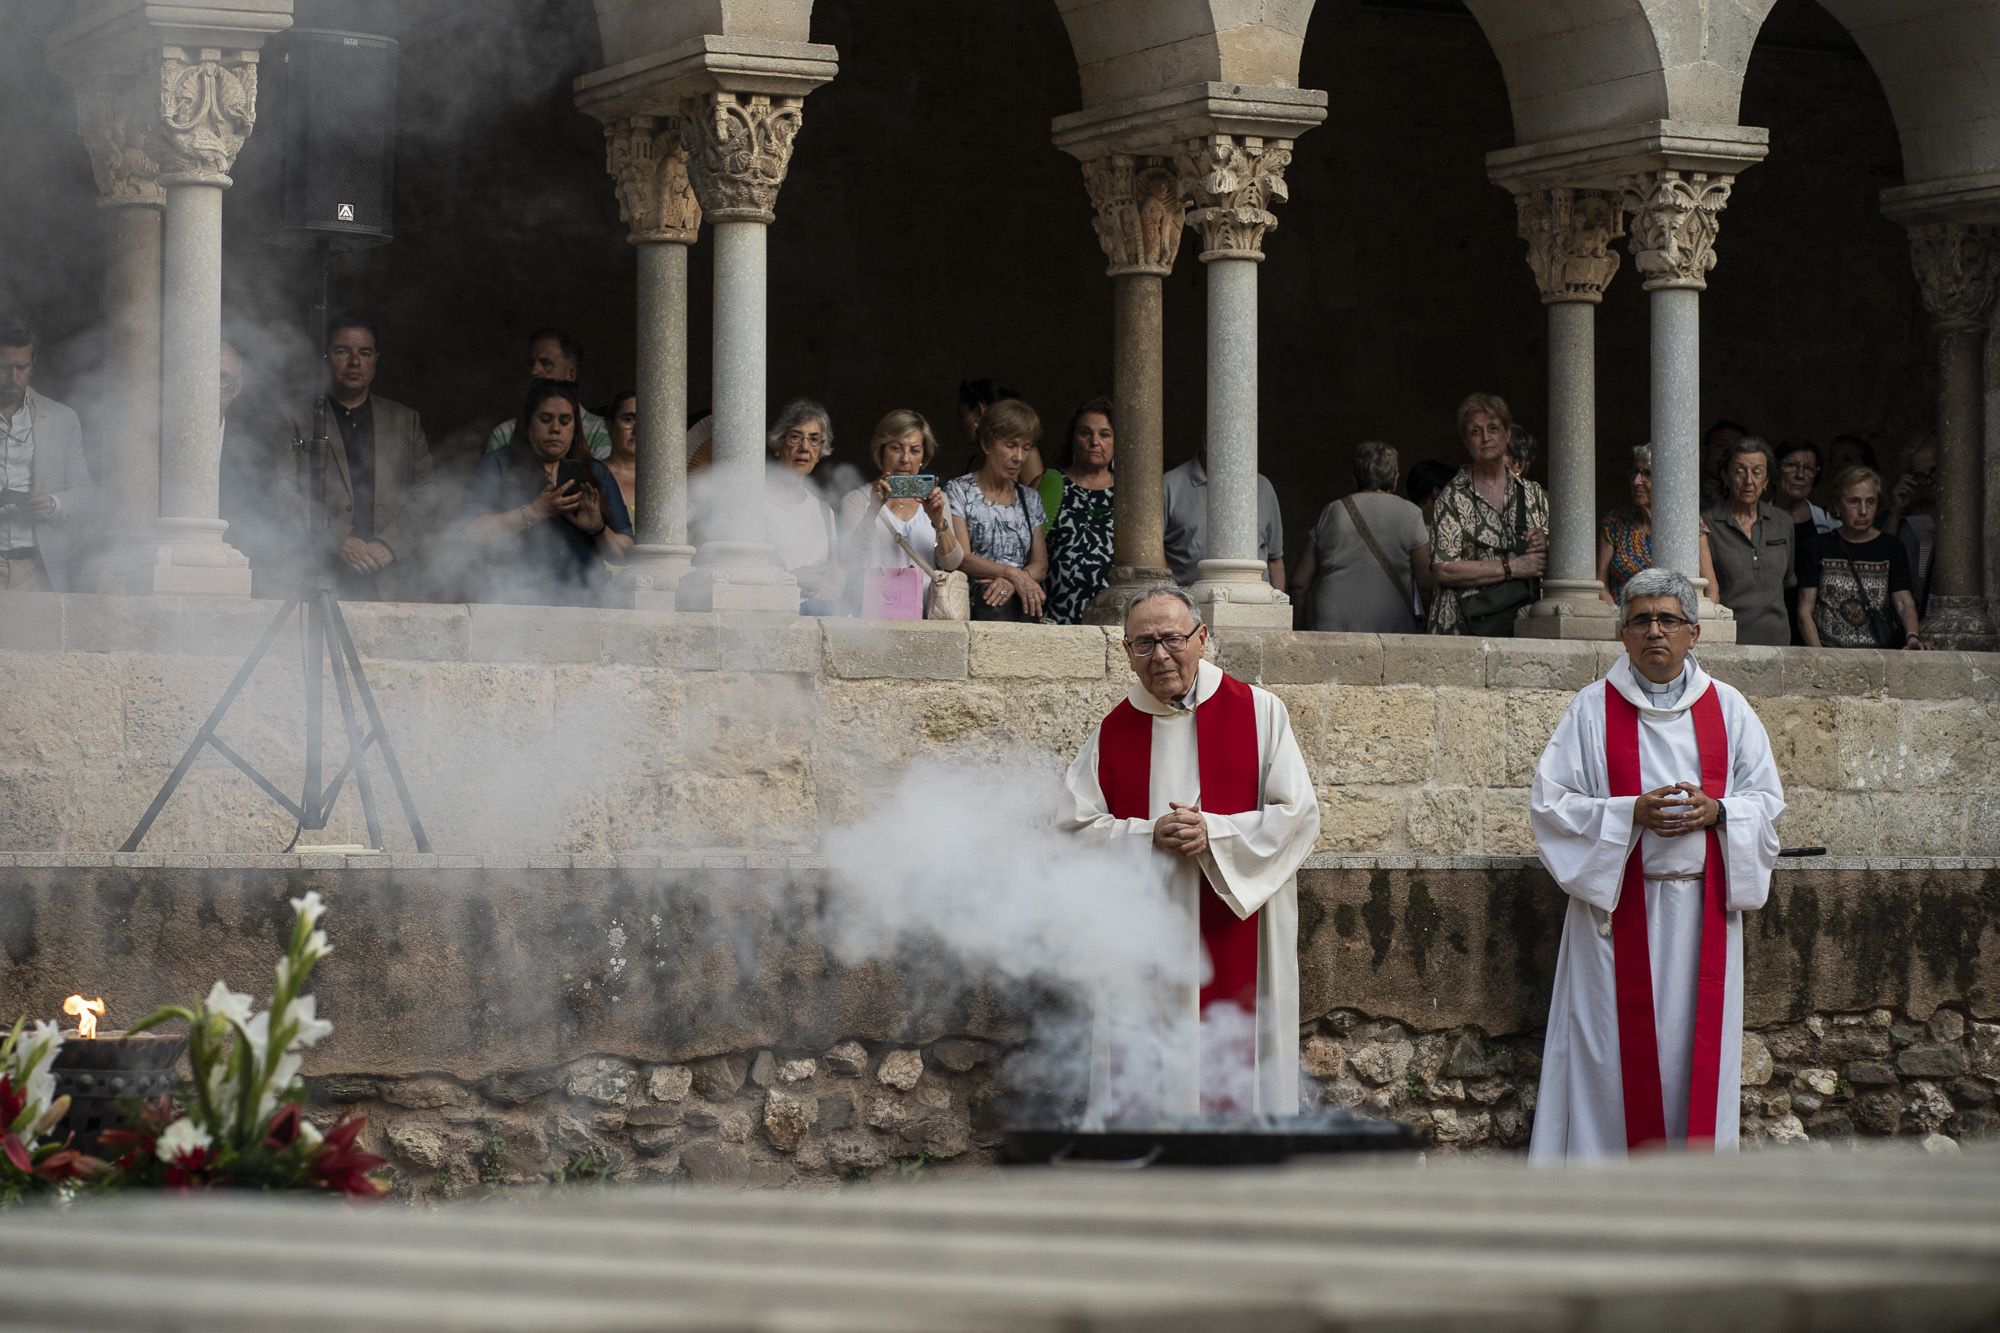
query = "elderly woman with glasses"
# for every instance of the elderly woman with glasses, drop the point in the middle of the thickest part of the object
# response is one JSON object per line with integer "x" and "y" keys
{"x": 798, "y": 524}
{"x": 1752, "y": 542}
{"x": 1490, "y": 536}
{"x": 1655, "y": 809}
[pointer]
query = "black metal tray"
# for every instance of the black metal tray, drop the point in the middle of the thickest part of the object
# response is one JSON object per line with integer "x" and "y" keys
{"x": 1260, "y": 1140}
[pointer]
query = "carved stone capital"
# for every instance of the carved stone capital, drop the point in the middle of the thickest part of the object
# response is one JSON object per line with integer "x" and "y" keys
{"x": 208, "y": 106}
{"x": 1569, "y": 234}
{"x": 1230, "y": 180}
{"x": 649, "y": 164}
{"x": 1675, "y": 217}
{"x": 116, "y": 120}
{"x": 1957, "y": 266}
{"x": 740, "y": 146}
{"x": 1140, "y": 212}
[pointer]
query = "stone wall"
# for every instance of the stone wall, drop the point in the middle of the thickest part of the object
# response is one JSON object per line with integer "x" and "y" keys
{"x": 507, "y": 1022}
{"x": 532, "y": 730}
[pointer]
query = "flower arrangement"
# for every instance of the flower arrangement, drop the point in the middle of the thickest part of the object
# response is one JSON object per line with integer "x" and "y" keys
{"x": 243, "y": 1121}
{"x": 29, "y": 1109}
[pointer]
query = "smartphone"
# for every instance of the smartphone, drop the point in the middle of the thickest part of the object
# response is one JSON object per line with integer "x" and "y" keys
{"x": 907, "y": 486}
{"x": 572, "y": 469}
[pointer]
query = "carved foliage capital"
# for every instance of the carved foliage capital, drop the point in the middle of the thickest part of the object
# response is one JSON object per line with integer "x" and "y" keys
{"x": 1675, "y": 217}
{"x": 1231, "y": 180}
{"x": 1957, "y": 266}
{"x": 117, "y": 121}
{"x": 1140, "y": 212}
{"x": 740, "y": 146}
{"x": 208, "y": 106}
{"x": 649, "y": 165}
{"x": 1569, "y": 234}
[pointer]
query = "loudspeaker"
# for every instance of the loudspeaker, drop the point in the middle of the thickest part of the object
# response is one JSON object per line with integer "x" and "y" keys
{"x": 336, "y": 102}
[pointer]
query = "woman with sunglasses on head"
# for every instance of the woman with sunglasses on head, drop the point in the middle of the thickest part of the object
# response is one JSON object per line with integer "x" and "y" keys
{"x": 1854, "y": 587}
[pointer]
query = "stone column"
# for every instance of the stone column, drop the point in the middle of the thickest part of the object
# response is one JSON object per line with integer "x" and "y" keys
{"x": 1675, "y": 217}
{"x": 656, "y": 201}
{"x": 1569, "y": 234}
{"x": 208, "y": 105}
{"x": 1139, "y": 219}
{"x": 741, "y": 146}
{"x": 116, "y": 121}
{"x": 1230, "y": 179}
{"x": 1957, "y": 266}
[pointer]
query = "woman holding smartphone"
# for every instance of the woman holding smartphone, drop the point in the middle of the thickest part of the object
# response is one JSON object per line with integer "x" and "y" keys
{"x": 545, "y": 513}
{"x": 999, "y": 520}
{"x": 883, "y": 523}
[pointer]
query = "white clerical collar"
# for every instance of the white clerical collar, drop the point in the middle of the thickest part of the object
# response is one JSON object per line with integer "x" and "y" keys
{"x": 1207, "y": 679}
{"x": 1675, "y": 696}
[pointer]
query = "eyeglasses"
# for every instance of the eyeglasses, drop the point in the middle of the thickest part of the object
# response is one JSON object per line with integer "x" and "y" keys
{"x": 801, "y": 437}
{"x": 1666, "y": 624}
{"x": 1147, "y": 646}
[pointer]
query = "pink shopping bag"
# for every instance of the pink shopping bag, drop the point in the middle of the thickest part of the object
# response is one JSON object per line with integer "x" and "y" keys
{"x": 893, "y": 594}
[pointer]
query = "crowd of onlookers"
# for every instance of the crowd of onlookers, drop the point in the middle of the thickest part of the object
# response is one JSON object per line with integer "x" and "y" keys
{"x": 998, "y": 524}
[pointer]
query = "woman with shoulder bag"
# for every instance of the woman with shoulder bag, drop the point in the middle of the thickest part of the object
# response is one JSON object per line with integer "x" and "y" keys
{"x": 1490, "y": 536}
{"x": 1854, "y": 589}
{"x": 998, "y": 520}
{"x": 898, "y": 544}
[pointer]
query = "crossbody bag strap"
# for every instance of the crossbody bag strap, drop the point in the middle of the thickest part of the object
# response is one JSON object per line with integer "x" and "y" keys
{"x": 1375, "y": 547}
{"x": 930, "y": 571}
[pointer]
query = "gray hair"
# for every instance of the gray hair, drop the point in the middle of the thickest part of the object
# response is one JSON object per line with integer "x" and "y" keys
{"x": 1642, "y": 457}
{"x": 1657, "y": 583}
{"x": 797, "y": 413}
{"x": 1154, "y": 591}
{"x": 1749, "y": 444}
{"x": 1376, "y": 466}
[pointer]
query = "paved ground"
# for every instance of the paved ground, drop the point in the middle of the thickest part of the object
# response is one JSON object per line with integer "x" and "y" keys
{"x": 1886, "y": 1239}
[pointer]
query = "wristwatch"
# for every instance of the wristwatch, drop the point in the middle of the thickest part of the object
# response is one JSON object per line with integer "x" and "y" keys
{"x": 1721, "y": 813}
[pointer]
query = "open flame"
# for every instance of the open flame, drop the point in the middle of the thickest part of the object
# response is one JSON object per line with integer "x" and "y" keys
{"x": 85, "y": 1012}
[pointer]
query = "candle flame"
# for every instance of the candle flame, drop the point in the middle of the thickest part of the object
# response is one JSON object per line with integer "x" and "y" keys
{"x": 85, "y": 1012}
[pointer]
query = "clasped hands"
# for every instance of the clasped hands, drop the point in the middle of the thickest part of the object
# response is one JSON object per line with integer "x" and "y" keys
{"x": 365, "y": 557}
{"x": 1181, "y": 830}
{"x": 1672, "y": 811}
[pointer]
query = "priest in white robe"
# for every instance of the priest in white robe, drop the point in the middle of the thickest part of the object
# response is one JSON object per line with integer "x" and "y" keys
{"x": 1655, "y": 808}
{"x": 1198, "y": 778}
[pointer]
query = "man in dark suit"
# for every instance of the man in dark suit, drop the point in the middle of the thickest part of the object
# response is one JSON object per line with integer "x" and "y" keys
{"x": 378, "y": 475}
{"x": 46, "y": 494}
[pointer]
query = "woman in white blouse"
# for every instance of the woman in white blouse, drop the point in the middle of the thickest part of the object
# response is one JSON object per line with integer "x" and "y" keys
{"x": 798, "y": 524}
{"x": 871, "y": 520}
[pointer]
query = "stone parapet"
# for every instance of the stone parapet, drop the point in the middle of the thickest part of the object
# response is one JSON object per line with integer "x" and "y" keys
{"x": 551, "y": 731}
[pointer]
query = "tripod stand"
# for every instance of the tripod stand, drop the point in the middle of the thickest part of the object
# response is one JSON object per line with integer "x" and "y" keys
{"x": 328, "y": 644}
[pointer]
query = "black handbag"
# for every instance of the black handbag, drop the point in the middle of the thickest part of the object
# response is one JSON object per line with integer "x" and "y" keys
{"x": 1491, "y": 611}
{"x": 1886, "y": 629}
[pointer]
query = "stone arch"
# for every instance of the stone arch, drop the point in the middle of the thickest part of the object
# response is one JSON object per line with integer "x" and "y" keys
{"x": 1939, "y": 63}
{"x": 1134, "y": 48}
{"x": 1587, "y": 65}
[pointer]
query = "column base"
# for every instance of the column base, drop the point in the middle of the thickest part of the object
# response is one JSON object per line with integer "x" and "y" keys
{"x": 1718, "y": 622}
{"x": 1961, "y": 624}
{"x": 1569, "y": 609}
{"x": 184, "y": 557}
{"x": 651, "y": 578}
{"x": 738, "y": 576}
{"x": 1232, "y": 594}
{"x": 1108, "y": 607}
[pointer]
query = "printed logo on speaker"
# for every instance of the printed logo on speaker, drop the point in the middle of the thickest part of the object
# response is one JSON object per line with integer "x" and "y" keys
{"x": 345, "y": 213}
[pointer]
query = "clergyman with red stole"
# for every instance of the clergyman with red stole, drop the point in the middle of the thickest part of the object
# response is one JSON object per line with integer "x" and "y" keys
{"x": 1198, "y": 777}
{"x": 1655, "y": 808}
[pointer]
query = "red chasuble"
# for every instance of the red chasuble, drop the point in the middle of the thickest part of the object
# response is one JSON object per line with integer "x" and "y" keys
{"x": 1638, "y": 1033}
{"x": 1226, "y": 741}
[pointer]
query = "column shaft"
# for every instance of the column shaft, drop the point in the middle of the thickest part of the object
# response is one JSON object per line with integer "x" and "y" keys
{"x": 1232, "y": 421}
{"x": 740, "y": 344}
{"x": 131, "y": 453}
{"x": 1958, "y": 617}
{"x": 1137, "y": 380}
{"x": 1573, "y": 445}
{"x": 1676, "y": 424}
{"x": 662, "y": 386}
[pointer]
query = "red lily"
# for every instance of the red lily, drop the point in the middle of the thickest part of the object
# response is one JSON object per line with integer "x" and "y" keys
{"x": 192, "y": 1170}
{"x": 12, "y": 1103}
{"x": 344, "y": 1168}
{"x": 283, "y": 1130}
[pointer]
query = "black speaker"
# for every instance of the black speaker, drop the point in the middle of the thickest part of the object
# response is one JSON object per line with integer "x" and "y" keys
{"x": 336, "y": 106}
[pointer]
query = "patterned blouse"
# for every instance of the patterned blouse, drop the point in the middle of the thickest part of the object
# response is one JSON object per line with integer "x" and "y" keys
{"x": 1079, "y": 551}
{"x": 1629, "y": 534}
{"x": 1003, "y": 534}
{"x": 1465, "y": 527}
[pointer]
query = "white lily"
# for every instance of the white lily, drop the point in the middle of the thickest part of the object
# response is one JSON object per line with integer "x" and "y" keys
{"x": 311, "y": 1027}
{"x": 311, "y": 907}
{"x": 281, "y": 1079}
{"x": 227, "y": 1003}
{"x": 316, "y": 946}
{"x": 181, "y": 1138}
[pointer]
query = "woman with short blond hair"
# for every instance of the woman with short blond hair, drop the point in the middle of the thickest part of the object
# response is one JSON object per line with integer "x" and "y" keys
{"x": 1490, "y": 531}
{"x": 999, "y": 520}
{"x": 878, "y": 530}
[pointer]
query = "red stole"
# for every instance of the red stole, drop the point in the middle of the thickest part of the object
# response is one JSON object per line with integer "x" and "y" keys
{"x": 1225, "y": 728}
{"x": 1638, "y": 1034}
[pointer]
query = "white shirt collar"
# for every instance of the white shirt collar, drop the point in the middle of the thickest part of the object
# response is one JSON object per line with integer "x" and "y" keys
{"x": 1647, "y": 697}
{"x": 1207, "y": 679}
